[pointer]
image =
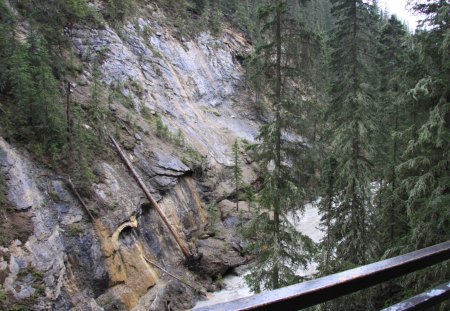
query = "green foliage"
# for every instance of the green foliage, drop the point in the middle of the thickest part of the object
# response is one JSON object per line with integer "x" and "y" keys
{"x": 425, "y": 169}
{"x": 7, "y": 22}
{"x": 214, "y": 16}
{"x": 282, "y": 154}
{"x": 219, "y": 281}
{"x": 179, "y": 139}
{"x": 50, "y": 18}
{"x": 214, "y": 213}
{"x": 3, "y": 189}
{"x": 38, "y": 112}
{"x": 119, "y": 9}
{"x": 2, "y": 294}
{"x": 86, "y": 145}
{"x": 97, "y": 112}
{"x": 146, "y": 113}
{"x": 117, "y": 94}
{"x": 351, "y": 118}
{"x": 237, "y": 170}
{"x": 392, "y": 117}
{"x": 161, "y": 129}
{"x": 74, "y": 230}
{"x": 346, "y": 205}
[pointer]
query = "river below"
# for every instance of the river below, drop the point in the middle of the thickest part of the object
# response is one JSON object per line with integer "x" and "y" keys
{"x": 235, "y": 286}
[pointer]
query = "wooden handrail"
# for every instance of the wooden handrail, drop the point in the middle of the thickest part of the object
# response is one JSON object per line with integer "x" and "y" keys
{"x": 425, "y": 300}
{"x": 320, "y": 290}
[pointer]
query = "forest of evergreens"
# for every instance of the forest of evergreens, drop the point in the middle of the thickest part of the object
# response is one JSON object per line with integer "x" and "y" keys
{"x": 359, "y": 121}
{"x": 375, "y": 150}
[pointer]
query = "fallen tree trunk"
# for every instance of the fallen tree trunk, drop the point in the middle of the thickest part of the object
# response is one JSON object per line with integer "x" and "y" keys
{"x": 187, "y": 253}
{"x": 74, "y": 190}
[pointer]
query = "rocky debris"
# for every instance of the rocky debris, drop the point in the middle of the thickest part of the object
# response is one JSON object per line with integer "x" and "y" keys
{"x": 221, "y": 251}
{"x": 159, "y": 163}
{"x": 117, "y": 195}
{"x": 118, "y": 298}
{"x": 168, "y": 295}
{"x": 164, "y": 183}
{"x": 169, "y": 165}
{"x": 218, "y": 256}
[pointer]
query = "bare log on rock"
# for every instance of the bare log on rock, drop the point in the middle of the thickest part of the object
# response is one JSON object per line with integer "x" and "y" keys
{"x": 187, "y": 253}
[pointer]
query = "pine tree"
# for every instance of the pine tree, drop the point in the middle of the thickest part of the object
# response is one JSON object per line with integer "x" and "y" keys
{"x": 237, "y": 170}
{"x": 425, "y": 171}
{"x": 283, "y": 155}
{"x": 392, "y": 116}
{"x": 347, "y": 205}
{"x": 351, "y": 119}
{"x": 7, "y": 22}
{"x": 38, "y": 112}
{"x": 21, "y": 86}
{"x": 47, "y": 115}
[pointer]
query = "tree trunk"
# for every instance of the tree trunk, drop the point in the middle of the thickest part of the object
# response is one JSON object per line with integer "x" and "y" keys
{"x": 187, "y": 253}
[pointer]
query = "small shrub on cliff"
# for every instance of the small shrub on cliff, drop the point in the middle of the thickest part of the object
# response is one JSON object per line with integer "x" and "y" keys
{"x": 2, "y": 189}
{"x": 2, "y": 294}
{"x": 161, "y": 129}
{"x": 119, "y": 9}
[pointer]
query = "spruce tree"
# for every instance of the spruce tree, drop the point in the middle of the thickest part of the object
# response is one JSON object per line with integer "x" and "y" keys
{"x": 47, "y": 116}
{"x": 283, "y": 155}
{"x": 351, "y": 119}
{"x": 392, "y": 117}
{"x": 237, "y": 170}
{"x": 7, "y": 22}
{"x": 425, "y": 171}
{"x": 34, "y": 89}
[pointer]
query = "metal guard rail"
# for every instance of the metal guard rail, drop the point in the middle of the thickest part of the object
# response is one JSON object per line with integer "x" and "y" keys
{"x": 320, "y": 290}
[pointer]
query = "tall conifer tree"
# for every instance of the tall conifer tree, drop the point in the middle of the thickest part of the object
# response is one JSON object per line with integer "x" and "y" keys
{"x": 283, "y": 155}
{"x": 351, "y": 118}
{"x": 426, "y": 167}
{"x": 392, "y": 118}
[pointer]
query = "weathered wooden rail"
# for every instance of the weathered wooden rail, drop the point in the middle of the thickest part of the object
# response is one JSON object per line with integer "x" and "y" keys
{"x": 320, "y": 290}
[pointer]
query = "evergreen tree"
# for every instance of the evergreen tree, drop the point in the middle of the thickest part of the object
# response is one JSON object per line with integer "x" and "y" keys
{"x": 283, "y": 156}
{"x": 7, "y": 22}
{"x": 38, "y": 112}
{"x": 237, "y": 170}
{"x": 351, "y": 119}
{"x": 426, "y": 168}
{"x": 392, "y": 116}
{"x": 48, "y": 116}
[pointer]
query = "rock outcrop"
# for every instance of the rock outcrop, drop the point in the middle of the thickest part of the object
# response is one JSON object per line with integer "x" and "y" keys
{"x": 60, "y": 258}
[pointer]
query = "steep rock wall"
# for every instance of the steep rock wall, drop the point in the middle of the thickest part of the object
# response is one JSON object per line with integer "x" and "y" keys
{"x": 196, "y": 85}
{"x": 68, "y": 261}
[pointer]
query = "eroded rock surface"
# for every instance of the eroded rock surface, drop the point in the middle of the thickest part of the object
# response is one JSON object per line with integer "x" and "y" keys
{"x": 195, "y": 85}
{"x": 67, "y": 261}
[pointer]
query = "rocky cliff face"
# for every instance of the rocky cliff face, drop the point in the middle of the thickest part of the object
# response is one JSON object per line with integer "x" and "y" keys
{"x": 57, "y": 257}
